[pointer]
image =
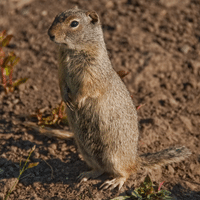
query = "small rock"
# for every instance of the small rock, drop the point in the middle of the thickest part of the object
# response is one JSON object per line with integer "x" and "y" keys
{"x": 187, "y": 122}
{"x": 13, "y": 148}
{"x": 15, "y": 101}
{"x": 53, "y": 146}
{"x": 63, "y": 147}
{"x": 197, "y": 170}
{"x": 3, "y": 155}
{"x": 17, "y": 109}
{"x": 44, "y": 13}
{"x": 192, "y": 166}
{"x": 22, "y": 87}
{"x": 173, "y": 102}
{"x": 109, "y": 4}
{"x": 51, "y": 151}
{"x": 36, "y": 155}
{"x": 185, "y": 49}
{"x": 195, "y": 66}
{"x": 171, "y": 169}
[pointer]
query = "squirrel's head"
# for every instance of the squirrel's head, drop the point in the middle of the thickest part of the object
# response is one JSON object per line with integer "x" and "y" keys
{"x": 76, "y": 28}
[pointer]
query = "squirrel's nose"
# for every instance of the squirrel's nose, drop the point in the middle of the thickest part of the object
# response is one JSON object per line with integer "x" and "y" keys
{"x": 51, "y": 35}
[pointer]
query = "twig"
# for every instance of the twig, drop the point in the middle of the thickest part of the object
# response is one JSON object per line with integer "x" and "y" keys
{"x": 49, "y": 132}
{"x": 52, "y": 176}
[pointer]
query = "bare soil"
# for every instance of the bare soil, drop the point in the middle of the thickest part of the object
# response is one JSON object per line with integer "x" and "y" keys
{"x": 158, "y": 41}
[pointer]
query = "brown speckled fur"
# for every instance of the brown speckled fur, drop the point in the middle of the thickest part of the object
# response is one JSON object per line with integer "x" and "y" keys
{"x": 100, "y": 110}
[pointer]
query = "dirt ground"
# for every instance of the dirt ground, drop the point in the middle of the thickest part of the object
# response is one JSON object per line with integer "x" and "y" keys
{"x": 158, "y": 41}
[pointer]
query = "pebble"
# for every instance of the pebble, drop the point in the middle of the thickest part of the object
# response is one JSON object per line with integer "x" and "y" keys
{"x": 196, "y": 66}
{"x": 15, "y": 101}
{"x": 187, "y": 123}
{"x": 53, "y": 146}
{"x": 13, "y": 148}
{"x": 44, "y": 13}
{"x": 171, "y": 169}
{"x": 197, "y": 170}
{"x": 36, "y": 154}
{"x": 22, "y": 87}
{"x": 51, "y": 151}
{"x": 109, "y": 4}
{"x": 192, "y": 166}
{"x": 185, "y": 49}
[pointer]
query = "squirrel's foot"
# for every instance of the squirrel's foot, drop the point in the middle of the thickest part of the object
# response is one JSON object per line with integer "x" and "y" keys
{"x": 90, "y": 174}
{"x": 111, "y": 184}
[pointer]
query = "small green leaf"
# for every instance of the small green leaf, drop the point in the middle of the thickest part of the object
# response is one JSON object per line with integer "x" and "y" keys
{"x": 147, "y": 180}
{"x": 135, "y": 194}
{"x": 16, "y": 61}
{"x": 19, "y": 82}
{"x": 31, "y": 165}
{"x": 6, "y": 40}
{"x": 2, "y": 35}
{"x": 5, "y": 62}
{"x": 12, "y": 57}
{"x": 7, "y": 70}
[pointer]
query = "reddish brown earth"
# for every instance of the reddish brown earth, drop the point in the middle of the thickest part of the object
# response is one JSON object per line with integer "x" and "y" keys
{"x": 158, "y": 41}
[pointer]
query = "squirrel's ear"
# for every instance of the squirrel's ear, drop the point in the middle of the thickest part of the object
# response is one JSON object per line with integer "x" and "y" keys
{"x": 93, "y": 15}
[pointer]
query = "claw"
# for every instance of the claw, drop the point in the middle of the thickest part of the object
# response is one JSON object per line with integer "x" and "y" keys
{"x": 82, "y": 177}
{"x": 70, "y": 105}
{"x": 111, "y": 184}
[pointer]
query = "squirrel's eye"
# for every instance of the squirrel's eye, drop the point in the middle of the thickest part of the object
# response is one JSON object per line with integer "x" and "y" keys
{"x": 74, "y": 24}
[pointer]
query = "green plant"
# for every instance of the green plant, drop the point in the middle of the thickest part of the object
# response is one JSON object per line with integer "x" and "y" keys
{"x": 7, "y": 63}
{"x": 24, "y": 168}
{"x": 56, "y": 117}
{"x": 148, "y": 190}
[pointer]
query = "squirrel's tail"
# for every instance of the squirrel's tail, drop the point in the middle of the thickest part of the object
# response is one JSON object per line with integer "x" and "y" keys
{"x": 164, "y": 157}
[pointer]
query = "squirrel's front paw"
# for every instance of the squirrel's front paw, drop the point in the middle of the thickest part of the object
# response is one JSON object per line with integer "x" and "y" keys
{"x": 90, "y": 174}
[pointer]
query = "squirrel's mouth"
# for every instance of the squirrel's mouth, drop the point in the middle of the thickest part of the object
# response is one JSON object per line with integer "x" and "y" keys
{"x": 55, "y": 39}
{"x": 52, "y": 37}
